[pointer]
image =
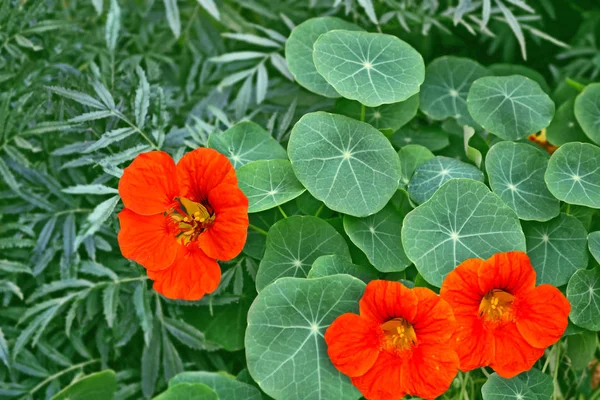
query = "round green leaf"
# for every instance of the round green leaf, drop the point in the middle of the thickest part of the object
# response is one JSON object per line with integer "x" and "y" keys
{"x": 581, "y": 348}
{"x": 347, "y": 164}
{"x": 388, "y": 116}
{"x": 516, "y": 174}
{"x": 539, "y": 383}
{"x": 594, "y": 244}
{"x": 557, "y": 248}
{"x": 511, "y": 107}
{"x": 285, "y": 349}
{"x": 372, "y": 68}
{"x": 515, "y": 69}
{"x": 98, "y": 386}
{"x": 335, "y": 265}
{"x": 432, "y": 138}
{"x": 498, "y": 388}
{"x": 432, "y": 174}
{"x": 293, "y": 244}
{"x": 573, "y": 174}
{"x": 447, "y": 83}
{"x": 411, "y": 157}
{"x": 188, "y": 391}
{"x": 462, "y": 220}
{"x": 583, "y": 292}
{"x": 564, "y": 127}
{"x": 246, "y": 142}
{"x": 587, "y": 111}
{"x": 379, "y": 237}
{"x": 299, "y": 52}
{"x": 227, "y": 388}
{"x": 268, "y": 183}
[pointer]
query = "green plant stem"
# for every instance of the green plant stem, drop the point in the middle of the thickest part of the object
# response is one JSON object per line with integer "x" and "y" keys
{"x": 61, "y": 373}
{"x": 548, "y": 357}
{"x": 574, "y": 84}
{"x": 135, "y": 128}
{"x": 282, "y": 212}
{"x": 257, "y": 229}
{"x": 320, "y": 210}
{"x": 363, "y": 111}
{"x": 568, "y": 212}
{"x": 555, "y": 374}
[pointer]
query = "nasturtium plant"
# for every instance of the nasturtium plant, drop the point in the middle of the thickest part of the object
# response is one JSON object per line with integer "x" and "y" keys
{"x": 297, "y": 200}
{"x": 372, "y": 68}
{"x": 462, "y": 220}
{"x": 511, "y": 107}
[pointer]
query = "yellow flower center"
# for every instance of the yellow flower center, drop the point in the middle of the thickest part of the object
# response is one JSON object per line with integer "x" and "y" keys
{"x": 496, "y": 306}
{"x": 399, "y": 334}
{"x": 191, "y": 218}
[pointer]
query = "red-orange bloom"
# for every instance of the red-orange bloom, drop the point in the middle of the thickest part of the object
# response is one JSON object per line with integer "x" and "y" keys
{"x": 398, "y": 345}
{"x": 179, "y": 219}
{"x": 504, "y": 320}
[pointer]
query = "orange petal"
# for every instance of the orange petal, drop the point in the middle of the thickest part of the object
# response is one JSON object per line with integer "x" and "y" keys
{"x": 225, "y": 239}
{"x": 513, "y": 354}
{"x": 385, "y": 300}
{"x": 353, "y": 344}
{"x": 434, "y": 321}
{"x": 382, "y": 381}
{"x": 147, "y": 239}
{"x": 200, "y": 171}
{"x": 192, "y": 275}
{"x": 461, "y": 288}
{"x": 474, "y": 344}
{"x": 542, "y": 315}
{"x": 430, "y": 371}
{"x": 149, "y": 184}
{"x": 511, "y": 272}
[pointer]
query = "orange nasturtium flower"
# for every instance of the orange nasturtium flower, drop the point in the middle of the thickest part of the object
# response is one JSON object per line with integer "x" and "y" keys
{"x": 504, "y": 320}
{"x": 179, "y": 219}
{"x": 399, "y": 344}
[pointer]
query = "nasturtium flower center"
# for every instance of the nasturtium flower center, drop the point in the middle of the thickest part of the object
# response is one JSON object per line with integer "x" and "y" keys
{"x": 399, "y": 334}
{"x": 496, "y": 306}
{"x": 191, "y": 219}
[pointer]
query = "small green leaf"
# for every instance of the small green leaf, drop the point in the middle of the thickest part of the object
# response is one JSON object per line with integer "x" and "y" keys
{"x": 142, "y": 98}
{"x": 90, "y": 189}
{"x": 516, "y": 173}
{"x": 462, "y": 220}
{"x": 411, "y": 157}
{"x": 511, "y": 107}
{"x": 379, "y": 237}
{"x": 110, "y": 300}
{"x": 113, "y": 25}
{"x": 188, "y": 391}
{"x": 564, "y": 127}
{"x": 372, "y": 68}
{"x": 268, "y": 183}
{"x": 336, "y": 265}
{"x": 516, "y": 69}
{"x": 557, "y": 248}
{"x": 594, "y": 244}
{"x": 498, "y": 388}
{"x": 581, "y": 348}
{"x": 388, "y": 116}
{"x": 293, "y": 244}
{"x": 246, "y": 142}
{"x": 583, "y": 292}
{"x": 587, "y": 111}
{"x": 432, "y": 138}
{"x": 347, "y": 164}
{"x": 432, "y": 174}
{"x": 299, "y": 52}
{"x": 447, "y": 83}
{"x": 98, "y": 386}
{"x": 573, "y": 174}
{"x": 227, "y": 388}
{"x": 172, "y": 12}
{"x": 285, "y": 348}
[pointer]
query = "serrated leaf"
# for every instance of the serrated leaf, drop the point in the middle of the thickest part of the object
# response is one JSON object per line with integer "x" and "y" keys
{"x": 113, "y": 25}
{"x": 172, "y": 364}
{"x": 90, "y": 189}
{"x": 185, "y": 333}
{"x": 211, "y": 8}
{"x": 4, "y": 353}
{"x": 143, "y": 311}
{"x": 15, "y": 267}
{"x": 95, "y": 220}
{"x": 81, "y": 98}
{"x": 110, "y": 302}
{"x": 142, "y": 98}
{"x": 108, "y": 138}
{"x": 151, "y": 362}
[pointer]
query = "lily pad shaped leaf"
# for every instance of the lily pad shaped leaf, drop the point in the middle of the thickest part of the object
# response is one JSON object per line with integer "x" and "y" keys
{"x": 268, "y": 183}
{"x": 510, "y": 107}
{"x": 515, "y": 69}
{"x": 293, "y": 244}
{"x": 379, "y": 237}
{"x": 432, "y": 174}
{"x": 226, "y": 387}
{"x": 388, "y": 116}
{"x": 411, "y": 157}
{"x": 530, "y": 385}
{"x": 462, "y": 220}
{"x": 299, "y": 52}
{"x": 285, "y": 349}
{"x": 573, "y": 174}
{"x": 594, "y": 244}
{"x": 372, "y": 68}
{"x": 583, "y": 292}
{"x": 447, "y": 83}
{"x": 433, "y": 138}
{"x": 587, "y": 111}
{"x": 516, "y": 173}
{"x": 335, "y": 265}
{"x": 557, "y": 248}
{"x": 246, "y": 142}
{"x": 347, "y": 164}
{"x": 564, "y": 127}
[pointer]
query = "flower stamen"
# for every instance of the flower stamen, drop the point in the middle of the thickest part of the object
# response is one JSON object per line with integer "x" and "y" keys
{"x": 191, "y": 219}
{"x": 399, "y": 334}
{"x": 496, "y": 306}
